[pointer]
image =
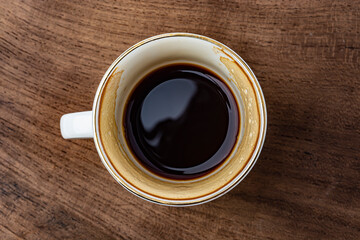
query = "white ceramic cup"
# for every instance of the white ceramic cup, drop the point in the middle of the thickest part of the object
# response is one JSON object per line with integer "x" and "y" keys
{"x": 104, "y": 122}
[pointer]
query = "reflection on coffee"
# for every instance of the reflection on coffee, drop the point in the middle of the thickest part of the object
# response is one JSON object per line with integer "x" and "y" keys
{"x": 181, "y": 121}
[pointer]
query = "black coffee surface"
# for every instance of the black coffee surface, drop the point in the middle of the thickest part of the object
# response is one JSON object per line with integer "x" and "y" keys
{"x": 181, "y": 121}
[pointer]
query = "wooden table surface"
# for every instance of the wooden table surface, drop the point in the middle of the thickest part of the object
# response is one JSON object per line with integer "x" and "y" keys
{"x": 305, "y": 184}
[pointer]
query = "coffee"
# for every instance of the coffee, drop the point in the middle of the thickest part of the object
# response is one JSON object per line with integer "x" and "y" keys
{"x": 181, "y": 121}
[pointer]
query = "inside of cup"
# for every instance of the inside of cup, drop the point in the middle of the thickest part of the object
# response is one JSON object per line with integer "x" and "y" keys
{"x": 129, "y": 69}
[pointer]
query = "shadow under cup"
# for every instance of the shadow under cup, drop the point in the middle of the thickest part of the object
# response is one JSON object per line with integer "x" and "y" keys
{"x": 118, "y": 83}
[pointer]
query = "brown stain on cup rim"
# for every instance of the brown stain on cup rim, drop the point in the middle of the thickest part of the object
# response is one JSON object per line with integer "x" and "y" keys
{"x": 113, "y": 81}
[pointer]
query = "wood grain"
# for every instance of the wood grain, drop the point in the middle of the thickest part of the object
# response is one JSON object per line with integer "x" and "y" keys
{"x": 306, "y": 57}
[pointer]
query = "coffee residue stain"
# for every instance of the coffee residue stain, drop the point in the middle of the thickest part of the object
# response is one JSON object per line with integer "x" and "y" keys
{"x": 247, "y": 91}
{"x": 107, "y": 122}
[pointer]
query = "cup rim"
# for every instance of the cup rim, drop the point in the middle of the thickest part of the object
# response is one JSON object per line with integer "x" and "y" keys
{"x": 170, "y": 202}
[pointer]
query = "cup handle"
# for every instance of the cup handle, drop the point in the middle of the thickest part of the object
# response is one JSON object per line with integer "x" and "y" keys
{"x": 77, "y": 125}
